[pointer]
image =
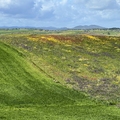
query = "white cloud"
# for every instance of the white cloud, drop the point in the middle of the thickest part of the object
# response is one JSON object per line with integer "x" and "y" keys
{"x": 118, "y": 2}
{"x": 102, "y": 4}
{"x": 60, "y": 12}
{"x": 94, "y": 4}
{"x": 63, "y": 2}
{"x": 110, "y": 14}
{"x": 4, "y": 3}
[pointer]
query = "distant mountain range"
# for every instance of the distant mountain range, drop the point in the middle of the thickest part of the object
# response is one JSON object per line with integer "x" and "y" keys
{"x": 83, "y": 27}
{"x": 75, "y": 28}
{"x": 88, "y": 27}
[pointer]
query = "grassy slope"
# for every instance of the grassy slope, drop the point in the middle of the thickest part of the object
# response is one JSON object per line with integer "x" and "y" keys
{"x": 26, "y": 93}
{"x": 84, "y": 62}
{"x": 22, "y": 83}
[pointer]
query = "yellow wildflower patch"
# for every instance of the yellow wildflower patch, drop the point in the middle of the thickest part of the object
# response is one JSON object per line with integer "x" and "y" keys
{"x": 32, "y": 38}
{"x": 86, "y": 65}
{"x": 43, "y": 38}
{"x": 52, "y": 39}
{"x": 90, "y": 37}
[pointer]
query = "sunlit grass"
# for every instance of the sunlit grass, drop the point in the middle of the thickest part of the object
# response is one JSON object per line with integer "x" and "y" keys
{"x": 42, "y": 76}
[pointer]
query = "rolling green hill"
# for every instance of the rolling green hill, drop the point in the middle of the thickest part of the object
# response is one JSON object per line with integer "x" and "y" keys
{"x": 22, "y": 83}
{"x": 82, "y": 62}
{"x": 27, "y": 91}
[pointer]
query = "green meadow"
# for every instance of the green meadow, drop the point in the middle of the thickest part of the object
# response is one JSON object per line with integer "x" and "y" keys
{"x": 59, "y": 75}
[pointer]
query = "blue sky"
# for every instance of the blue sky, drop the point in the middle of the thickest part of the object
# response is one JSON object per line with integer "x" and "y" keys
{"x": 60, "y": 13}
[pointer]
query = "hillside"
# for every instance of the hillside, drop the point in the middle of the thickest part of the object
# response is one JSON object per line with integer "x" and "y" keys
{"x": 21, "y": 83}
{"x": 22, "y": 86}
{"x": 84, "y": 62}
{"x": 40, "y": 79}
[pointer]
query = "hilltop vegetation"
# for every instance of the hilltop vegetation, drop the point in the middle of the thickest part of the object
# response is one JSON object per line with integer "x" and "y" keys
{"x": 50, "y": 76}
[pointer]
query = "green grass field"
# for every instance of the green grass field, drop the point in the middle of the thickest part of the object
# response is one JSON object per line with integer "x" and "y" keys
{"x": 59, "y": 77}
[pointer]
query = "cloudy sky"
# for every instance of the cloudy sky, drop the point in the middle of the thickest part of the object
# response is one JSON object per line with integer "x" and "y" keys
{"x": 60, "y": 13}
